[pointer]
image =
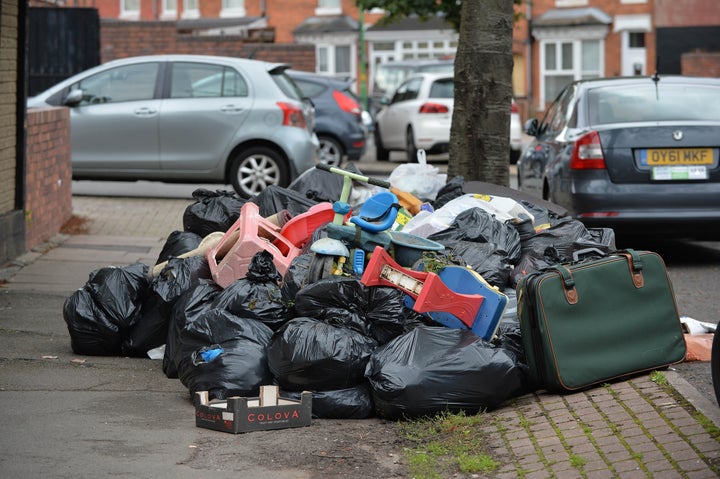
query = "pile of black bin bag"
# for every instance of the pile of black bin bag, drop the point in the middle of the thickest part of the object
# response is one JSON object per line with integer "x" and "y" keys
{"x": 358, "y": 349}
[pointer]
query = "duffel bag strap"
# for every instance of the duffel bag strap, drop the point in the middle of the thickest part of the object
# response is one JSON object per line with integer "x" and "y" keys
{"x": 568, "y": 284}
{"x": 635, "y": 265}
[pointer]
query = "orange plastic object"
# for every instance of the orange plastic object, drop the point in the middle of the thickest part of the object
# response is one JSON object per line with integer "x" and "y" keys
{"x": 251, "y": 233}
{"x": 300, "y": 228}
{"x": 699, "y": 346}
{"x": 428, "y": 290}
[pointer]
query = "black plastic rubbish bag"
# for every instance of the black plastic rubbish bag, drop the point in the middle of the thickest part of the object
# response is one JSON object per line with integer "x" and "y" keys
{"x": 350, "y": 403}
{"x": 435, "y": 369}
{"x": 92, "y": 331}
{"x": 177, "y": 243}
{"x": 342, "y": 301}
{"x": 99, "y": 315}
{"x": 212, "y": 211}
{"x": 258, "y": 295}
{"x": 309, "y": 354}
{"x": 275, "y": 199}
{"x": 559, "y": 243}
{"x": 224, "y": 354}
{"x": 188, "y": 306}
{"x": 320, "y": 185}
{"x": 452, "y": 189}
{"x": 295, "y": 277}
{"x": 489, "y": 246}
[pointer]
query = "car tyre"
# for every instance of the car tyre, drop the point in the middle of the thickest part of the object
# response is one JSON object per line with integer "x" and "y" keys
{"x": 256, "y": 168}
{"x": 331, "y": 152}
{"x": 410, "y": 149}
{"x": 381, "y": 154}
{"x": 514, "y": 156}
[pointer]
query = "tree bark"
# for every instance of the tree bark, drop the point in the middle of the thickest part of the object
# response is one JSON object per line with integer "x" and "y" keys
{"x": 480, "y": 133}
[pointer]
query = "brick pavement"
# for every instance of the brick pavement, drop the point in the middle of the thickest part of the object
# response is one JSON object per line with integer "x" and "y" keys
{"x": 629, "y": 429}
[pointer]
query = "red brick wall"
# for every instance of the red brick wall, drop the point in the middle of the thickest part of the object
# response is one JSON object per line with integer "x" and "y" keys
{"x": 120, "y": 39}
{"x": 686, "y": 13}
{"x": 701, "y": 64}
{"x": 48, "y": 179}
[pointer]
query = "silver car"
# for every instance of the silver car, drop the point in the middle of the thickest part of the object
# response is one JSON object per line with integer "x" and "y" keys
{"x": 187, "y": 118}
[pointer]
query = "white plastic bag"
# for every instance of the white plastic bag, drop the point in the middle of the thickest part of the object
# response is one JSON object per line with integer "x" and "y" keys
{"x": 420, "y": 179}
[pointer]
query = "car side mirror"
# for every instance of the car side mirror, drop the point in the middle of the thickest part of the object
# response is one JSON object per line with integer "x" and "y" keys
{"x": 73, "y": 98}
{"x": 531, "y": 127}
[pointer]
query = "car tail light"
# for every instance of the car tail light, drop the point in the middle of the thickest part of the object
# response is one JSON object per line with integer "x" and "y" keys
{"x": 346, "y": 103}
{"x": 292, "y": 115}
{"x": 587, "y": 153}
{"x": 433, "y": 108}
{"x": 514, "y": 108}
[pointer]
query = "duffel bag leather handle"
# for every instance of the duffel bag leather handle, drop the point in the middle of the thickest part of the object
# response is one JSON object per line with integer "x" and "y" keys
{"x": 568, "y": 284}
{"x": 635, "y": 265}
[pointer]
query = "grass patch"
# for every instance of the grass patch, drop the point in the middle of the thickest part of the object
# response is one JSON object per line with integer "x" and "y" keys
{"x": 658, "y": 378}
{"x": 446, "y": 444}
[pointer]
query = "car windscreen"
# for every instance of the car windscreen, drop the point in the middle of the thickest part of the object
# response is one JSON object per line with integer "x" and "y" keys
{"x": 653, "y": 102}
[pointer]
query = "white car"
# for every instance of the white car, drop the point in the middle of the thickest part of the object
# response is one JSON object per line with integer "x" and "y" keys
{"x": 418, "y": 116}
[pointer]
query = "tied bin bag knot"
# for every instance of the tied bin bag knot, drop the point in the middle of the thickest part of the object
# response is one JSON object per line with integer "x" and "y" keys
{"x": 599, "y": 320}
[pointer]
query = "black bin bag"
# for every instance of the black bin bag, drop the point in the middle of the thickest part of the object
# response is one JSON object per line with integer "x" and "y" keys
{"x": 434, "y": 369}
{"x": 224, "y": 354}
{"x": 177, "y": 277}
{"x": 186, "y": 309}
{"x": 177, "y": 243}
{"x": 100, "y": 314}
{"x": 342, "y": 301}
{"x": 350, "y": 403}
{"x": 306, "y": 353}
{"x": 212, "y": 211}
{"x": 257, "y": 295}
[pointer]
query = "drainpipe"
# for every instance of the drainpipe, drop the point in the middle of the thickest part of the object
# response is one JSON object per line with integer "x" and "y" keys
{"x": 529, "y": 51}
{"x": 363, "y": 75}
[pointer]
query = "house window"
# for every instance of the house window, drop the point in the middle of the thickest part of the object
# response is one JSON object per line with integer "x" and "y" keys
{"x": 335, "y": 60}
{"x": 571, "y": 3}
{"x": 169, "y": 9}
{"x": 130, "y": 9}
{"x": 190, "y": 9}
{"x": 564, "y": 61}
{"x": 233, "y": 8}
{"x": 328, "y": 7}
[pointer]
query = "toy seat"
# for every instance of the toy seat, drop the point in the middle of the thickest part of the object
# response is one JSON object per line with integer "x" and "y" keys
{"x": 251, "y": 233}
{"x": 378, "y": 213}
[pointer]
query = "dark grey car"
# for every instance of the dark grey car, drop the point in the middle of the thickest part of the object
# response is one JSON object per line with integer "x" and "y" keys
{"x": 639, "y": 155}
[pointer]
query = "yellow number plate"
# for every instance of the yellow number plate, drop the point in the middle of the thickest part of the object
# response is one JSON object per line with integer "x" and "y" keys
{"x": 676, "y": 156}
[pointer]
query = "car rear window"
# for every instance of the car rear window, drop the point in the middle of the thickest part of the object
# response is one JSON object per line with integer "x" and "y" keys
{"x": 286, "y": 84}
{"x": 442, "y": 88}
{"x": 653, "y": 102}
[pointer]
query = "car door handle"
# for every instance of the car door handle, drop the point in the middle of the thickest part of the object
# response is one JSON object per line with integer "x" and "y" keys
{"x": 145, "y": 111}
{"x": 231, "y": 109}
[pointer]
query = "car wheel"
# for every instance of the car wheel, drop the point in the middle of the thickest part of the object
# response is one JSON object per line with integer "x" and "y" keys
{"x": 381, "y": 154}
{"x": 331, "y": 153}
{"x": 514, "y": 156}
{"x": 255, "y": 169}
{"x": 410, "y": 149}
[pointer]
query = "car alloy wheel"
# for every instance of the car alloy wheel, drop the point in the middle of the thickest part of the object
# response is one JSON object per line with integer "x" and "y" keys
{"x": 255, "y": 169}
{"x": 330, "y": 151}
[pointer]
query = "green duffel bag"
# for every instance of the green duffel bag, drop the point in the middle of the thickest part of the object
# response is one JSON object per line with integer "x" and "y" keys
{"x": 599, "y": 320}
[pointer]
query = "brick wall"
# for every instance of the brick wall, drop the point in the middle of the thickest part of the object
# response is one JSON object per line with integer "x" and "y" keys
{"x": 48, "y": 179}
{"x": 701, "y": 64}
{"x": 121, "y": 39}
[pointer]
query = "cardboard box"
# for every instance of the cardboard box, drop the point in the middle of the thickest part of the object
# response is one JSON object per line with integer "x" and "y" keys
{"x": 242, "y": 414}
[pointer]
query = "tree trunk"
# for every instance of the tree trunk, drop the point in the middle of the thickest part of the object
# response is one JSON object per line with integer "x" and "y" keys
{"x": 480, "y": 133}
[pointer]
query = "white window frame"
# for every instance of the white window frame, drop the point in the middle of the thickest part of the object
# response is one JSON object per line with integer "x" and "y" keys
{"x": 571, "y": 3}
{"x": 169, "y": 12}
{"x": 233, "y": 11}
{"x": 324, "y": 9}
{"x": 128, "y": 14}
{"x": 576, "y": 71}
{"x": 191, "y": 12}
{"x": 331, "y": 64}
